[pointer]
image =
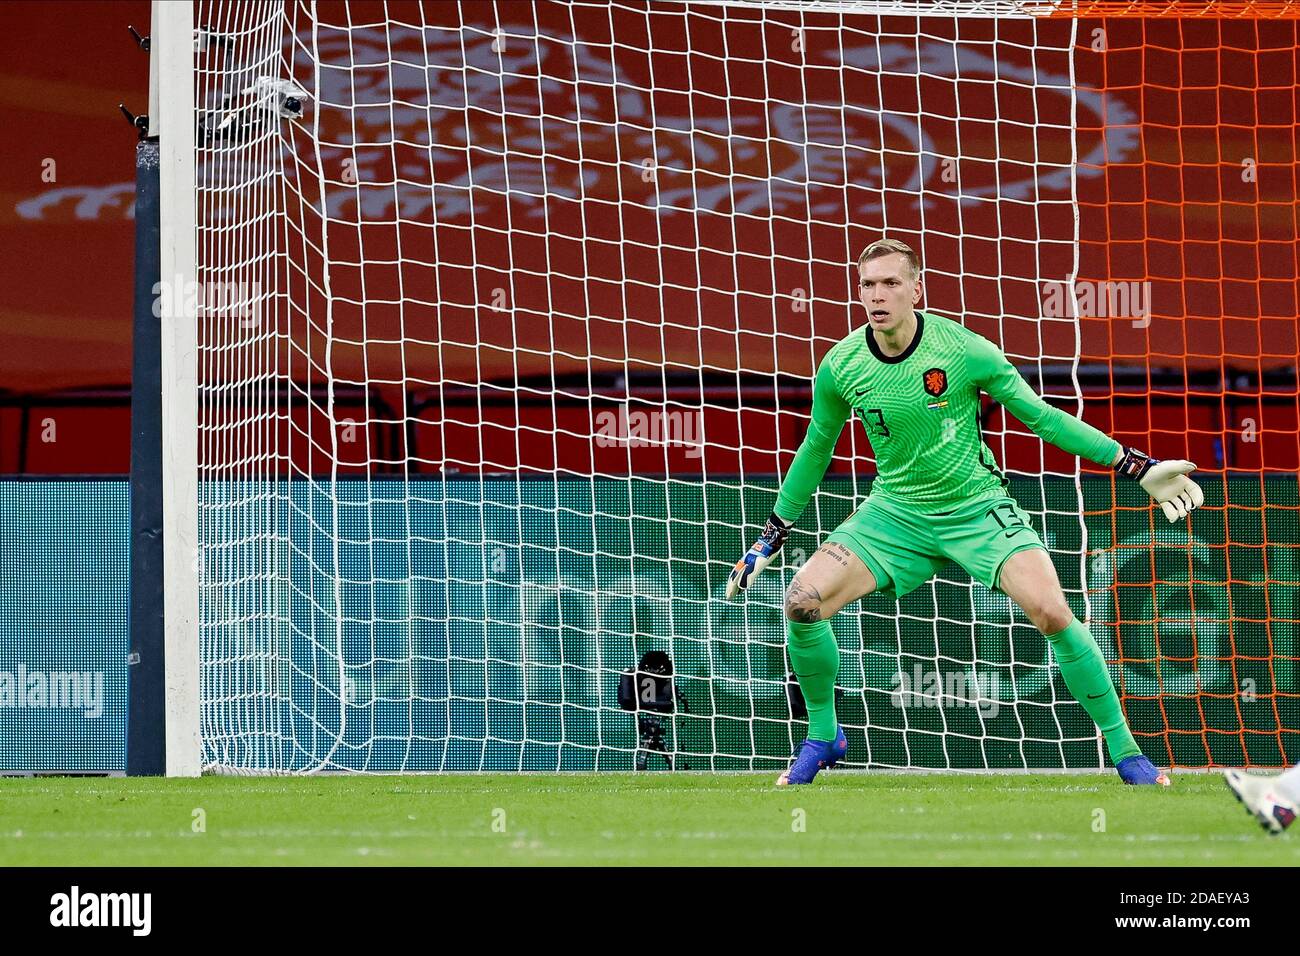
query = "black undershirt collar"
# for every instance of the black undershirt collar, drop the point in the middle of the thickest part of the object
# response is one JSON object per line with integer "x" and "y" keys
{"x": 895, "y": 359}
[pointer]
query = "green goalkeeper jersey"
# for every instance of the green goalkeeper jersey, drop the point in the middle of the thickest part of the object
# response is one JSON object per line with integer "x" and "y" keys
{"x": 921, "y": 412}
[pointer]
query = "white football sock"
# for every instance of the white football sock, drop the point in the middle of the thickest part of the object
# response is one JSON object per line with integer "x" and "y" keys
{"x": 1289, "y": 784}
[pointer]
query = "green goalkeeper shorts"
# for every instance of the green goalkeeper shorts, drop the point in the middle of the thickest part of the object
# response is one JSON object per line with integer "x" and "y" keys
{"x": 904, "y": 547}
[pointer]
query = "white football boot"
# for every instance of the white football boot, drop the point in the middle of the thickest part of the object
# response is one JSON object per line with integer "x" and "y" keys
{"x": 1262, "y": 798}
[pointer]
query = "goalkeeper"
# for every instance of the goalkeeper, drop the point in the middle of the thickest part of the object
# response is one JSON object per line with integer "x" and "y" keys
{"x": 914, "y": 379}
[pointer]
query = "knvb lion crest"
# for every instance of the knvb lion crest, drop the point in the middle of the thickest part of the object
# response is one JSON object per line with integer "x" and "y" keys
{"x": 936, "y": 381}
{"x": 778, "y": 146}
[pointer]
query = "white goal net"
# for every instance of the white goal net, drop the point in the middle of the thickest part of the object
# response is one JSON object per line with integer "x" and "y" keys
{"x": 509, "y": 316}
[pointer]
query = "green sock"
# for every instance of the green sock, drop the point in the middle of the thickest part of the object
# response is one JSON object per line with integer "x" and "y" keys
{"x": 1084, "y": 670}
{"x": 816, "y": 662}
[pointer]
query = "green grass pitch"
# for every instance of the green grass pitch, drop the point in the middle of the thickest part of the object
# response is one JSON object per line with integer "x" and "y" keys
{"x": 647, "y": 819}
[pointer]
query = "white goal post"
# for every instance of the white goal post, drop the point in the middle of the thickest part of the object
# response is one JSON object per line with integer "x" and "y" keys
{"x": 171, "y": 106}
{"x": 503, "y": 321}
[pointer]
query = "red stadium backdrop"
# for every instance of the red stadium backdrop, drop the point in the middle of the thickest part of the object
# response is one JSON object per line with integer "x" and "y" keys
{"x": 67, "y": 187}
{"x": 1186, "y": 150}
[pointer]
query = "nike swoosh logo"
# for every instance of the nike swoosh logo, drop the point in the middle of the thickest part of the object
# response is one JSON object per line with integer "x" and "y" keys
{"x": 1096, "y": 696}
{"x": 1014, "y": 531}
{"x": 862, "y": 391}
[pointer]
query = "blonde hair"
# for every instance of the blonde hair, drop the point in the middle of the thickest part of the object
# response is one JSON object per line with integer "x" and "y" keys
{"x": 889, "y": 247}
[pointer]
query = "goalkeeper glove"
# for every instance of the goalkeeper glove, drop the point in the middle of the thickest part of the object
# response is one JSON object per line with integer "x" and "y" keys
{"x": 759, "y": 556}
{"x": 1165, "y": 481}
